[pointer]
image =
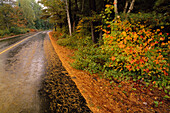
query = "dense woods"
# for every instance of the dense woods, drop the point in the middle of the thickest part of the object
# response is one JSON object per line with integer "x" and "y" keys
{"x": 68, "y": 13}
{"x": 120, "y": 40}
{"x": 17, "y": 17}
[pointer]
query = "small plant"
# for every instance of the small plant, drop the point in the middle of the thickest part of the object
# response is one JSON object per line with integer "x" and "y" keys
{"x": 119, "y": 86}
{"x": 156, "y": 103}
{"x": 134, "y": 89}
{"x": 98, "y": 107}
{"x": 124, "y": 92}
{"x": 166, "y": 97}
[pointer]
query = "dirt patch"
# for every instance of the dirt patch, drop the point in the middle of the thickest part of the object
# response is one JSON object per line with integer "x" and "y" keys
{"x": 104, "y": 96}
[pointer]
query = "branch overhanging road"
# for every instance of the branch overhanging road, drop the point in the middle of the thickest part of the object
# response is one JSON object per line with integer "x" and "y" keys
{"x": 24, "y": 62}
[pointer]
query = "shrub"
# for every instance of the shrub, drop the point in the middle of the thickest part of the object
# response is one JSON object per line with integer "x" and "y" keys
{"x": 149, "y": 19}
{"x": 73, "y": 42}
{"x": 137, "y": 50}
{"x": 4, "y": 32}
{"x": 83, "y": 28}
{"x": 69, "y": 42}
{"x": 89, "y": 58}
{"x": 132, "y": 50}
{"x": 15, "y": 30}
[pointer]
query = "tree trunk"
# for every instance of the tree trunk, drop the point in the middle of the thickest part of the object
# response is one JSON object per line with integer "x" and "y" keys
{"x": 82, "y": 9}
{"x": 126, "y": 5}
{"x": 76, "y": 5}
{"x": 94, "y": 34}
{"x": 115, "y": 7}
{"x": 55, "y": 28}
{"x": 92, "y": 5}
{"x": 70, "y": 13}
{"x": 75, "y": 16}
{"x": 68, "y": 18}
{"x": 131, "y": 6}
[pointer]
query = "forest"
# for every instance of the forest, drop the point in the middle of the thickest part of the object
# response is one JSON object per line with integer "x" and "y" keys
{"x": 21, "y": 16}
{"x": 119, "y": 40}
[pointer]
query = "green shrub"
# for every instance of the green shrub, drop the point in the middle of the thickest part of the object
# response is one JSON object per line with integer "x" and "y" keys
{"x": 14, "y": 30}
{"x": 4, "y": 32}
{"x": 17, "y": 30}
{"x": 152, "y": 20}
{"x": 69, "y": 42}
{"x": 74, "y": 42}
{"x": 90, "y": 58}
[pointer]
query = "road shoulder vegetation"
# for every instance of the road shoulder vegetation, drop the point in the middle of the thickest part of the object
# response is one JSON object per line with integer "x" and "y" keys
{"x": 105, "y": 95}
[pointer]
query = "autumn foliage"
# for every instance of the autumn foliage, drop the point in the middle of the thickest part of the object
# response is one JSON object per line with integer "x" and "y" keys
{"x": 136, "y": 49}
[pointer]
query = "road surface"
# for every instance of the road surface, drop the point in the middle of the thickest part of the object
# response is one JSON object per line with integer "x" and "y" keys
{"x": 30, "y": 69}
{"x": 21, "y": 72}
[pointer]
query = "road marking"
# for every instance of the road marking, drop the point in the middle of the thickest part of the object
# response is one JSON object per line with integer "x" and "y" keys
{"x": 16, "y": 44}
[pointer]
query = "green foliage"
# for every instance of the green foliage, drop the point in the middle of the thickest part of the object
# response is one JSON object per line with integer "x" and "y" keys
{"x": 135, "y": 48}
{"x": 83, "y": 27}
{"x": 14, "y": 19}
{"x": 68, "y": 41}
{"x": 27, "y": 6}
{"x": 132, "y": 50}
{"x": 4, "y": 32}
{"x": 150, "y": 20}
{"x": 5, "y": 16}
{"x": 162, "y": 6}
{"x": 156, "y": 103}
{"x": 73, "y": 42}
{"x": 17, "y": 30}
{"x": 89, "y": 58}
{"x": 55, "y": 12}
{"x": 13, "y": 31}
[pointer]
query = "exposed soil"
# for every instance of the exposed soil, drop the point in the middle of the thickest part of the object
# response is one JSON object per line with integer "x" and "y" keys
{"x": 104, "y": 96}
{"x": 58, "y": 87}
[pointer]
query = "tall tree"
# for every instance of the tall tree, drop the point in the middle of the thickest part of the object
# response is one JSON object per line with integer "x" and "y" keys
{"x": 115, "y": 7}
{"x": 27, "y": 7}
{"x": 5, "y": 16}
{"x": 68, "y": 16}
{"x": 93, "y": 24}
{"x": 131, "y": 6}
{"x": 126, "y": 5}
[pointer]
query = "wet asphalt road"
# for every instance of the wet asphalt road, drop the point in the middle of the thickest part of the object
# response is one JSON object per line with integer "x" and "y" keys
{"x": 22, "y": 67}
{"x": 33, "y": 80}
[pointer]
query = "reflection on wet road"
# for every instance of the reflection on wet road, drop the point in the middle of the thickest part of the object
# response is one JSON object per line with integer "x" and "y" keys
{"x": 21, "y": 71}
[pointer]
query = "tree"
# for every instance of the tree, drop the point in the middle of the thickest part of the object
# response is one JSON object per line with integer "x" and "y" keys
{"x": 5, "y": 16}
{"x": 131, "y": 6}
{"x": 55, "y": 12}
{"x": 162, "y": 6}
{"x": 18, "y": 20}
{"x": 28, "y": 11}
{"x": 115, "y": 7}
{"x": 68, "y": 17}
